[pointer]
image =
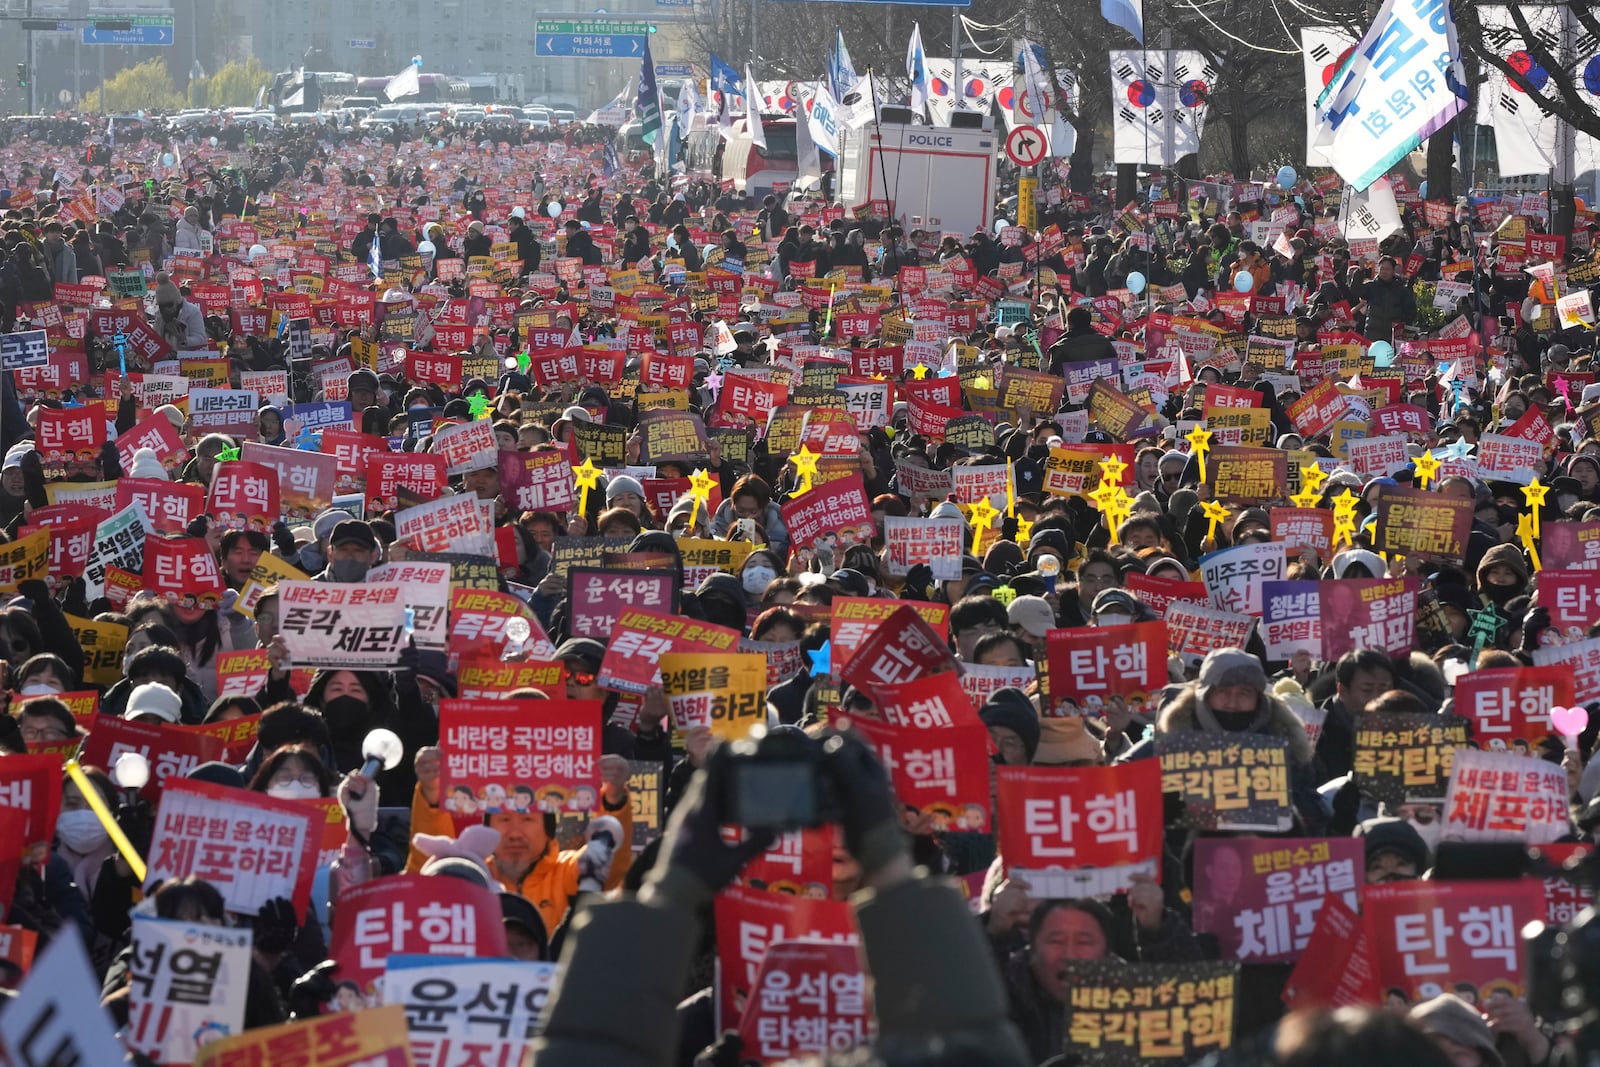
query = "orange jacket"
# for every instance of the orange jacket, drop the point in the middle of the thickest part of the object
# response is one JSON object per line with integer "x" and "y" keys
{"x": 554, "y": 878}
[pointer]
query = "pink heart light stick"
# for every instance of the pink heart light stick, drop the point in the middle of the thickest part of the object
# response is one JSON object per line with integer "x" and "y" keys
{"x": 1569, "y": 722}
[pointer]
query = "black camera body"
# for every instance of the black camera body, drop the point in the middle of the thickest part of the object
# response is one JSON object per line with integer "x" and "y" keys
{"x": 779, "y": 781}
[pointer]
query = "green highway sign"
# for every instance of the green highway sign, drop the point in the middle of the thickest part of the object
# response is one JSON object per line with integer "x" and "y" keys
{"x": 604, "y": 27}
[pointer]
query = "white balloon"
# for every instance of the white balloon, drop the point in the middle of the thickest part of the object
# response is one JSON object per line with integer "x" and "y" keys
{"x": 426, "y": 248}
{"x": 554, "y": 209}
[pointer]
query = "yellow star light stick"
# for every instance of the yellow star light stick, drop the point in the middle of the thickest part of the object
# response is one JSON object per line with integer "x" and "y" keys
{"x": 1024, "y": 531}
{"x": 805, "y": 465}
{"x": 700, "y": 483}
{"x": 1533, "y": 495}
{"x": 1425, "y": 468}
{"x": 1111, "y": 468}
{"x": 1344, "y": 530}
{"x": 982, "y": 515}
{"x": 1312, "y": 476}
{"x": 1217, "y": 513}
{"x": 587, "y": 476}
{"x": 1199, "y": 440}
{"x": 1527, "y": 533}
{"x": 1306, "y": 499}
{"x": 920, "y": 371}
{"x": 1344, "y": 505}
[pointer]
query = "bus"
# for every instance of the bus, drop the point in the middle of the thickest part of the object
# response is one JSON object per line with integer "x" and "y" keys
{"x": 754, "y": 171}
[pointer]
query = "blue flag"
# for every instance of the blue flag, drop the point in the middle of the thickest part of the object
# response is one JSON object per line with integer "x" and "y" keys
{"x": 724, "y": 79}
{"x": 1129, "y": 14}
{"x": 611, "y": 164}
{"x": 648, "y": 105}
{"x": 375, "y": 258}
{"x": 841, "y": 72}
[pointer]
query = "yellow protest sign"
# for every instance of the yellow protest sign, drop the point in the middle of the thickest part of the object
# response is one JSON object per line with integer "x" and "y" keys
{"x": 269, "y": 571}
{"x": 722, "y": 690}
{"x": 102, "y": 644}
{"x": 369, "y": 1036}
{"x": 24, "y": 560}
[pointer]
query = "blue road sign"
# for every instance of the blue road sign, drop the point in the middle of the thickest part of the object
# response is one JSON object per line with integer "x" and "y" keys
{"x": 360, "y": 42}
{"x": 589, "y": 45}
{"x": 138, "y": 35}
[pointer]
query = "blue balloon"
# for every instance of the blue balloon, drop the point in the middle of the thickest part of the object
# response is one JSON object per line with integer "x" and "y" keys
{"x": 1382, "y": 354}
{"x": 1286, "y": 176}
{"x": 1243, "y": 282}
{"x": 1136, "y": 282}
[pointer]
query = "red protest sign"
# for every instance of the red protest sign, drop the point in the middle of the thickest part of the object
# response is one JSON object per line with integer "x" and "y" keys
{"x": 184, "y": 570}
{"x": 32, "y": 785}
{"x": 350, "y": 451}
{"x": 799, "y": 863}
{"x": 1160, "y": 592}
{"x": 172, "y": 752}
{"x": 1570, "y": 546}
{"x": 1428, "y": 937}
{"x": 537, "y": 481}
{"x": 519, "y": 756}
{"x": 244, "y": 496}
{"x": 1261, "y": 896}
{"x": 154, "y": 431}
{"x": 478, "y": 620}
{"x": 68, "y": 441}
{"x": 1090, "y": 663}
{"x": 1303, "y": 528}
{"x": 1080, "y": 831}
{"x": 839, "y": 510}
{"x": 808, "y": 998}
{"x": 244, "y": 674}
{"x": 1564, "y": 898}
{"x": 423, "y": 473}
{"x": 748, "y": 921}
{"x": 251, "y": 846}
{"x": 1573, "y": 600}
{"x": 1510, "y": 706}
{"x": 1336, "y": 967}
{"x": 852, "y": 620}
{"x": 305, "y": 479}
{"x": 641, "y": 637}
{"x": 941, "y": 772}
{"x": 170, "y": 506}
{"x": 902, "y": 649}
{"x": 409, "y": 914}
{"x": 1368, "y": 613}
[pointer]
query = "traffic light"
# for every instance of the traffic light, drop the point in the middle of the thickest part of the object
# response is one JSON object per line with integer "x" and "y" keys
{"x": 22, "y": 75}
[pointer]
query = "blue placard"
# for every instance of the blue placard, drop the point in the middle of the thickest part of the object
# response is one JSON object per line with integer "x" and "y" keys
{"x": 589, "y": 45}
{"x": 138, "y": 35}
{"x": 30, "y": 348}
{"x": 320, "y": 415}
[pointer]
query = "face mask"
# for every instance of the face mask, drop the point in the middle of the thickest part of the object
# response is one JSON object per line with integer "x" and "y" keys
{"x": 1500, "y": 595}
{"x": 293, "y": 791}
{"x": 1038, "y": 451}
{"x": 80, "y": 830}
{"x": 1106, "y": 618}
{"x": 346, "y": 717}
{"x": 756, "y": 579}
{"x": 39, "y": 689}
{"x": 349, "y": 570}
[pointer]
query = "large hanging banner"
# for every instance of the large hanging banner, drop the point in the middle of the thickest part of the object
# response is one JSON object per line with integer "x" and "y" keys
{"x": 1158, "y": 104}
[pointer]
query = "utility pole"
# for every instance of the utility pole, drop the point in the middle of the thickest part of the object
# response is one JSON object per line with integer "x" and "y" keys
{"x": 1563, "y": 175}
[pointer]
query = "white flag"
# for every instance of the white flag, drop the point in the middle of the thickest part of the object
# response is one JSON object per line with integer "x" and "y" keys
{"x": 859, "y": 105}
{"x": 688, "y": 104}
{"x": 752, "y": 110}
{"x": 1321, "y": 50}
{"x": 405, "y": 83}
{"x": 917, "y": 71}
{"x": 822, "y": 115}
{"x": 1391, "y": 94}
{"x": 808, "y": 161}
{"x": 1371, "y": 213}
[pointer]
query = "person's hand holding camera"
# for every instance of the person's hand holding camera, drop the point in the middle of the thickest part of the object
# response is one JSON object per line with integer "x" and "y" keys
{"x": 695, "y": 861}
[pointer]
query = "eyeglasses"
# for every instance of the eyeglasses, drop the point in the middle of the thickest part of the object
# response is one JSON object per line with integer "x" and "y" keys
{"x": 43, "y": 735}
{"x": 307, "y": 779}
{"x": 582, "y": 677}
